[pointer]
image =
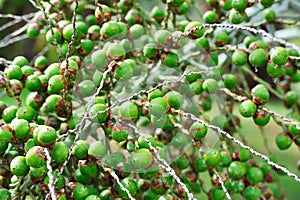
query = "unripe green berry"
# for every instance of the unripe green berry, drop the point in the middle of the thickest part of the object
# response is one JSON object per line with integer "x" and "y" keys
{"x": 283, "y": 141}
{"x": 97, "y": 150}
{"x": 212, "y": 157}
{"x": 260, "y": 94}
{"x": 236, "y": 17}
{"x": 239, "y": 57}
{"x": 258, "y": 58}
{"x": 158, "y": 106}
{"x": 13, "y": 72}
{"x": 35, "y": 157}
{"x": 279, "y": 55}
{"x": 141, "y": 159}
{"x": 269, "y": 15}
{"x": 129, "y": 111}
{"x": 18, "y": 166}
{"x": 59, "y": 152}
{"x": 247, "y": 108}
{"x": 80, "y": 149}
{"x": 251, "y": 193}
{"x": 255, "y": 175}
{"x": 236, "y": 170}
{"x": 170, "y": 59}
{"x": 210, "y": 85}
{"x": 239, "y": 5}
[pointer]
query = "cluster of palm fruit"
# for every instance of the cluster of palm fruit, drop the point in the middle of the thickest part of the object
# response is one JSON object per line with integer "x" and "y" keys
{"x": 143, "y": 48}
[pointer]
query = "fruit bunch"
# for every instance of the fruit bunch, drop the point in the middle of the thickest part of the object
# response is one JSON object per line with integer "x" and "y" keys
{"x": 141, "y": 103}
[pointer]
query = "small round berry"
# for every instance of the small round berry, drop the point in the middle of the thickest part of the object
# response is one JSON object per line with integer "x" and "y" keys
{"x": 35, "y": 157}
{"x": 130, "y": 185}
{"x": 226, "y": 5}
{"x": 225, "y": 159}
{"x": 116, "y": 52}
{"x": 290, "y": 98}
{"x": 202, "y": 43}
{"x": 16, "y": 86}
{"x": 157, "y": 13}
{"x": 283, "y": 141}
{"x": 275, "y": 71}
{"x": 18, "y": 166}
{"x": 5, "y": 135}
{"x": 26, "y": 112}
{"x": 59, "y": 152}
{"x": 41, "y": 63}
{"x": 212, "y": 157}
{"x": 210, "y": 17}
{"x": 293, "y": 130}
{"x": 239, "y": 5}
{"x": 33, "y": 30}
{"x": 217, "y": 194}
{"x": 80, "y": 149}
{"x": 158, "y": 106}
{"x": 119, "y": 134}
{"x": 56, "y": 84}
{"x": 221, "y": 38}
{"x": 279, "y": 55}
{"x": 136, "y": 31}
{"x": 247, "y": 108}
{"x": 258, "y": 58}
{"x": 198, "y": 130}
{"x": 236, "y": 170}
{"x": 80, "y": 191}
{"x": 5, "y": 194}
{"x": 141, "y": 159}
{"x": 236, "y": 17}
{"x": 210, "y": 85}
{"x": 87, "y": 168}
{"x": 109, "y": 29}
{"x": 230, "y": 80}
{"x": 57, "y": 35}
{"x": 170, "y": 59}
{"x": 266, "y": 3}
{"x": 9, "y": 113}
{"x": 174, "y": 98}
{"x": 103, "y": 13}
{"x": 87, "y": 88}
{"x": 97, "y": 108}
{"x": 195, "y": 34}
{"x": 52, "y": 70}
{"x": 20, "y": 61}
{"x": 133, "y": 16}
{"x": 269, "y": 15}
{"x": 261, "y": 118}
{"x": 251, "y": 193}
{"x": 46, "y": 136}
{"x": 243, "y": 154}
{"x": 13, "y": 72}
{"x": 200, "y": 165}
{"x": 239, "y": 57}
{"x": 97, "y": 150}
{"x": 124, "y": 71}
{"x": 260, "y": 94}
{"x": 129, "y": 111}
{"x": 255, "y": 175}
{"x": 150, "y": 50}
{"x": 20, "y": 128}
{"x": 99, "y": 59}
{"x": 86, "y": 46}
{"x": 33, "y": 83}
{"x": 248, "y": 40}
{"x": 144, "y": 144}
{"x": 92, "y": 197}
